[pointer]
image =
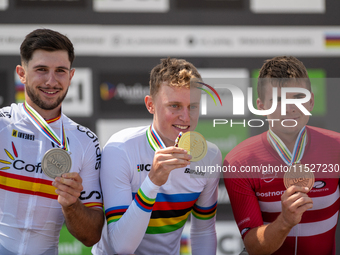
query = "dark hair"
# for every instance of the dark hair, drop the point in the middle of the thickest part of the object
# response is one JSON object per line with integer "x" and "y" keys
{"x": 177, "y": 72}
{"x": 280, "y": 70}
{"x": 45, "y": 39}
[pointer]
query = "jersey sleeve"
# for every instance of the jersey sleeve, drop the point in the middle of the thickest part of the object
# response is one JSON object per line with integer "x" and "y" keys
{"x": 244, "y": 203}
{"x": 203, "y": 232}
{"x": 6, "y": 116}
{"x": 127, "y": 217}
{"x": 91, "y": 195}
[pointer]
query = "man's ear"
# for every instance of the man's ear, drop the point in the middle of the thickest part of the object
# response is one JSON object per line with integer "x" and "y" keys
{"x": 149, "y": 104}
{"x": 21, "y": 73}
{"x": 260, "y": 104}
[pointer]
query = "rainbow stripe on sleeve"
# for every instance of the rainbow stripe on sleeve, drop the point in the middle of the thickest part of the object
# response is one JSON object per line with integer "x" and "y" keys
{"x": 204, "y": 213}
{"x": 143, "y": 202}
{"x": 113, "y": 214}
{"x": 169, "y": 212}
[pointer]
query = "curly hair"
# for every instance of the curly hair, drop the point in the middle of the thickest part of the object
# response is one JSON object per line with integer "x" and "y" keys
{"x": 176, "y": 72}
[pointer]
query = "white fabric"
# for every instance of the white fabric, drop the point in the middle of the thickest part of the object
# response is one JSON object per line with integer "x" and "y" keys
{"x": 30, "y": 222}
{"x": 120, "y": 179}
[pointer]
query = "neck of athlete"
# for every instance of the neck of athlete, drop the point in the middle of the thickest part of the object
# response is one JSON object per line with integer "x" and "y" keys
{"x": 50, "y": 114}
{"x": 289, "y": 139}
{"x": 46, "y": 114}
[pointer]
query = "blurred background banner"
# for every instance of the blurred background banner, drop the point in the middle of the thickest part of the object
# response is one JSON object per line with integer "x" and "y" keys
{"x": 118, "y": 42}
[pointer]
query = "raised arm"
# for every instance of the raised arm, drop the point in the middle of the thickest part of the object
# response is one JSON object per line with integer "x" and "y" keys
{"x": 128, "y": 216}
{"x": 266, "y": 239}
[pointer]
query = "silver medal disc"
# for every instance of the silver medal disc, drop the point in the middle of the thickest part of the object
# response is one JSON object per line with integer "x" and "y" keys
{"x": 56, "y": 162}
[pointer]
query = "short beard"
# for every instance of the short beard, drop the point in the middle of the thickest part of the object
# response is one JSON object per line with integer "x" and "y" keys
{"x": 37, "y": 101}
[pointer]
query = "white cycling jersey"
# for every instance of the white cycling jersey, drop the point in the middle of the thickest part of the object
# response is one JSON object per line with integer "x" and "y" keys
{"x": 144, "y": 218}
{"x": 30, "y": 215}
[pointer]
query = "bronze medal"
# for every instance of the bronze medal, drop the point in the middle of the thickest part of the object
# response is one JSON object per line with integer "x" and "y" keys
{"x": 299, "y": 175}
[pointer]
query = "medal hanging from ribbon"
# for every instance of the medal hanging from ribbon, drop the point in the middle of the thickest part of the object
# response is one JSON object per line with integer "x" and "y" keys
{"x": 154, "y": 139}
{"x": 298, "y": 174}
{"x": 56, "y": 161}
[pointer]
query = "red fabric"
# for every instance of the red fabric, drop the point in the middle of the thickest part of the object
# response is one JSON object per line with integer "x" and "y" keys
{"x": 246, "y": 194}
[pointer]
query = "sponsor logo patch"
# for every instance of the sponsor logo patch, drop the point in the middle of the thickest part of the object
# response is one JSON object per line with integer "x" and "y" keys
{"x": 16, "y": 133}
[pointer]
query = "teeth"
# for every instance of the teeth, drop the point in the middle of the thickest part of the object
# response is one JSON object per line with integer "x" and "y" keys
{"x": 181, "y": 127}
{"x": 48, "y": 92}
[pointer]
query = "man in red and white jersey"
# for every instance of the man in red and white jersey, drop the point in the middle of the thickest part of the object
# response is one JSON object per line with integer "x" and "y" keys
{"x": 274, "y": 219}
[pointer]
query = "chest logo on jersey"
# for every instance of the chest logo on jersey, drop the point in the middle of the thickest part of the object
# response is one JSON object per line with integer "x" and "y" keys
{"x": 18, "y": 164}
{"x": 268, "y": 176}
{"x": 192, "y": 171}
{"x": 143, "y": 167}
{"x": 16, "y": 133}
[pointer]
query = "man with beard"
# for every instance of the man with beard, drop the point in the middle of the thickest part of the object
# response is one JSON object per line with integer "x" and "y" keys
{"x": 49, "y": 165}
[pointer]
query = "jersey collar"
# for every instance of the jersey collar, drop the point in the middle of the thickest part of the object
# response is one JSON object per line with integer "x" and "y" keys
{"x": 154, "y": 139}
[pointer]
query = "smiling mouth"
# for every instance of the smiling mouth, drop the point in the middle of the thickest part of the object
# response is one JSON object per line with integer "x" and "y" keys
{"x": 50, "y": 92}
{"x": 181, "y": 127}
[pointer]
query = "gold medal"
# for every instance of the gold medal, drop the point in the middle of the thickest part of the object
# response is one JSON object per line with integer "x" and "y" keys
{"x": 56, "y": 162}
{"x": 194, "y": 143}
{"x": 299, "y": 175}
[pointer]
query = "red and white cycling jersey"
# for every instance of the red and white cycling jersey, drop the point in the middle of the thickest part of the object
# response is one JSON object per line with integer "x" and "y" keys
{"x": 257, "y": 200}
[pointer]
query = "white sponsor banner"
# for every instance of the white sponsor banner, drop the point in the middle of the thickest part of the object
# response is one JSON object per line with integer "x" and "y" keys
{"x": 105, "y": 128}
{"x": 161, "y": 41}
{"x": 3, "y": 4}
{"x": 131, "y": 5}
{"x": 288, "y": 6}
{"x": 78, "y": 102}
{"x": 229, "y": 240}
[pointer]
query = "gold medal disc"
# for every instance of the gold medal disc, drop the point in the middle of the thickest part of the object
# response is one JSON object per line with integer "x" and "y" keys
{"x": 299, "y": 175}
{"x": 195, "y": 144}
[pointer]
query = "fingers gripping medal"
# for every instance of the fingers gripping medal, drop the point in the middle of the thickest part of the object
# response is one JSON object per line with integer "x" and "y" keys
{"x": 195, "y": 144}
{"x": 299, "y": 175}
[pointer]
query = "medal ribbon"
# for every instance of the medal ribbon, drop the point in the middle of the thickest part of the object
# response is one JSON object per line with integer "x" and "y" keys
{"x": 154, "y": 139}
{"x": 43, "y": 127}
{"x": 299, "y": 147}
